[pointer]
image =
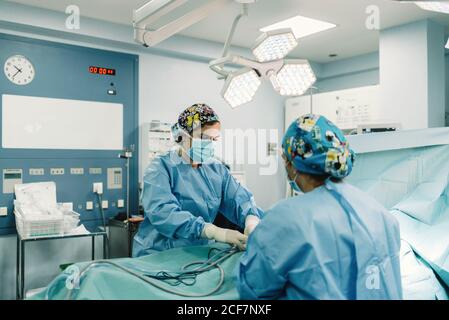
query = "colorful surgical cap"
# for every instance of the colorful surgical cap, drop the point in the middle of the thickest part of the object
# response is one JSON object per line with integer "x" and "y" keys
{"x": 316, "y": 146}
{"x": 192, "y": 118}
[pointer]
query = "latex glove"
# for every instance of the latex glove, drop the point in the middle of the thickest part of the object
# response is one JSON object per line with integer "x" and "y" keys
{"x": 251, "y": 223}
{"x": 232, "y": 237}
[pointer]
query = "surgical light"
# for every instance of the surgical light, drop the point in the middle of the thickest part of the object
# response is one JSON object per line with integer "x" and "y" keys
{"x": 288, "y": 77}
{"x": 436, "y": 6}
{"x": 241, "y": 86}
{"x": 294, "y": 78}
{"x": 274, "y": 45}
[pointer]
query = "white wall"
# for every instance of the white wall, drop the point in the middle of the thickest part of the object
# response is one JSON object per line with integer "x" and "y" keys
{"x": 411, "y": 73}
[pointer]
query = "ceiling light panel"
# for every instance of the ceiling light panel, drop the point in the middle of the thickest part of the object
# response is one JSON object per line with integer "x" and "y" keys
{"x": 436, "y": 6}
{"x": 301, "y": 26}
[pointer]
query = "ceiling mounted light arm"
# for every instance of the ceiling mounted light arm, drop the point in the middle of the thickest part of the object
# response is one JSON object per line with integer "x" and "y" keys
{"x": 154, "y": 10}
{"x": 218, "y": 65}
{"x": 244, "y": 76}
{"x": 233, "y": 28}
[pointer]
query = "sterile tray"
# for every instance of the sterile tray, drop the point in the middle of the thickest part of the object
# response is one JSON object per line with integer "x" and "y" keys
{"x": 35, "y": 226}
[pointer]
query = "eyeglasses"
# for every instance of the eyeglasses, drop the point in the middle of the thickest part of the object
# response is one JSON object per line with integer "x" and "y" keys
{"x": 204, "y": 136}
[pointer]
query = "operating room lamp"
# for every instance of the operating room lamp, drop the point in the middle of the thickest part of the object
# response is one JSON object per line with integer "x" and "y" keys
{"x": 288, "y": 77}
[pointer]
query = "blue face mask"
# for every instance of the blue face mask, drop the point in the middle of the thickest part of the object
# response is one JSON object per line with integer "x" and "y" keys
{"x": 294, "y": 185}
{"x": 201, "y": 151}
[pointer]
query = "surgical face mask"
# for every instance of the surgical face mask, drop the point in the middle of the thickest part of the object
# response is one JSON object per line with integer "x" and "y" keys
{"x": 294, "y": 185}
{"x": 202, "y": 150}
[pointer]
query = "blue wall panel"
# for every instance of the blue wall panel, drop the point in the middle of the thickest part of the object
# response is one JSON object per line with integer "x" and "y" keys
{"x": 62, "y": 72}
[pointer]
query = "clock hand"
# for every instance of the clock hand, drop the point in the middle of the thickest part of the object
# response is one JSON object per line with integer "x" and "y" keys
{"x": 16, "y": 74}
{"x": 19, "y": 70}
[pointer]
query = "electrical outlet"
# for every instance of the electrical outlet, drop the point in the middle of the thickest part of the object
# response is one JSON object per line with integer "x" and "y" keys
{"x": 120, "y": 203}
{"x": 89, "y": 205}
{"x": 104, "y": 204}
{"x": 98, "y": 187}
{"x": 36, "y": 171}
{"x": 56, "y": 171}
{"x": 68, "y": 206}
{"x": 77, "y": 171}
{"x": 95, "y": 171}
{"x": 3, "y": 211}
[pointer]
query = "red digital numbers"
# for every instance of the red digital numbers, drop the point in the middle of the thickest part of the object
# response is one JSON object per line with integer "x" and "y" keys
{"x": 102, "y": 71}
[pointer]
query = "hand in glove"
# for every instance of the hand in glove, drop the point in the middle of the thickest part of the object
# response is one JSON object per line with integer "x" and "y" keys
{"x": 232, "y": 237}
{"x": 251, "y": 223}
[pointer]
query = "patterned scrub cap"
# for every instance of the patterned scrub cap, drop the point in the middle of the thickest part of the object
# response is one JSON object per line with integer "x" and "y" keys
{"x": 316, "y": 146}
{"x": 193, "y": 117}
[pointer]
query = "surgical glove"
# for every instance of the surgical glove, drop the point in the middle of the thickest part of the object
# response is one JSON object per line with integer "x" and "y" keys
{"x": 232, "y": 237}
{"x": 251, "y": 223}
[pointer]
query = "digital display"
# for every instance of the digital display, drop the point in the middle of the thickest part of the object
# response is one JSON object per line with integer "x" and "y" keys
{"x": 10, "y": 176}
{"x": 100, "y": 70}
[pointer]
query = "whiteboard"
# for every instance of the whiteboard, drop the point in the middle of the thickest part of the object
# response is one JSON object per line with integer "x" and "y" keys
{"x": 47, "y": 123}
{"x": 346, "y": 108}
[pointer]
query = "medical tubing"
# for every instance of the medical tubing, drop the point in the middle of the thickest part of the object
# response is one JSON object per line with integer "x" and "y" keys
{"x": 204, "y": 266}
{"x": 185, "y": 275}
{"x": 100, "y": 205}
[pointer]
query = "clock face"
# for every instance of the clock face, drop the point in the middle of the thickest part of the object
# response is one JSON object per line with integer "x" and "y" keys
{"x": 19, "y": 70}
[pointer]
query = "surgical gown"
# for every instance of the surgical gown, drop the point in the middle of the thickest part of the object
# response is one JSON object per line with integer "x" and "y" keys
{"x": 334, "y": 242}
{"x": 178, "y": 200}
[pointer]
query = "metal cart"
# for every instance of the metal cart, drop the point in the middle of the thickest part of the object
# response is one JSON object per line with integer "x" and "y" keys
{"x": 20, "y": 267}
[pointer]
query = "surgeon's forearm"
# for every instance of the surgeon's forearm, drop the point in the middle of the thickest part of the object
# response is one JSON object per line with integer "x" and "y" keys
{"x": 251, "y": 223}
{"x": 178, "y": 225}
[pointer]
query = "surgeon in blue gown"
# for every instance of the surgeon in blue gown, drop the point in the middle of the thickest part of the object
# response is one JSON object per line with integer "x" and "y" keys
{"x": 332, "y": 241}
{"x": 185, "y": 189}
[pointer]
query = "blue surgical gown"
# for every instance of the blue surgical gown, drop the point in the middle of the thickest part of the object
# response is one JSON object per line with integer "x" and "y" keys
{"x": 334, "y": 242}
{"x": 178, "y": 200}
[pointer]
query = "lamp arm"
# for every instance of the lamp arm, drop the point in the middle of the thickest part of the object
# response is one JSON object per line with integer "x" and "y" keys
{"x": 218, "y": 65}
{"x": 231, "y": 33}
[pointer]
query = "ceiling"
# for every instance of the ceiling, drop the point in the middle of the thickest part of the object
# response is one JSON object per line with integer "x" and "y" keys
{"x": 350, "y": 38}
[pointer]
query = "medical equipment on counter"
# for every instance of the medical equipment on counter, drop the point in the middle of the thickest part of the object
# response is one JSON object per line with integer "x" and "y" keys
{"x": 38, "y": 214}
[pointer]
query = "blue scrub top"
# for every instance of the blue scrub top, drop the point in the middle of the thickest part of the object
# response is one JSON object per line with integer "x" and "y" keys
{"x": 334, "y": 242}
{"x": 178, "y": 200}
